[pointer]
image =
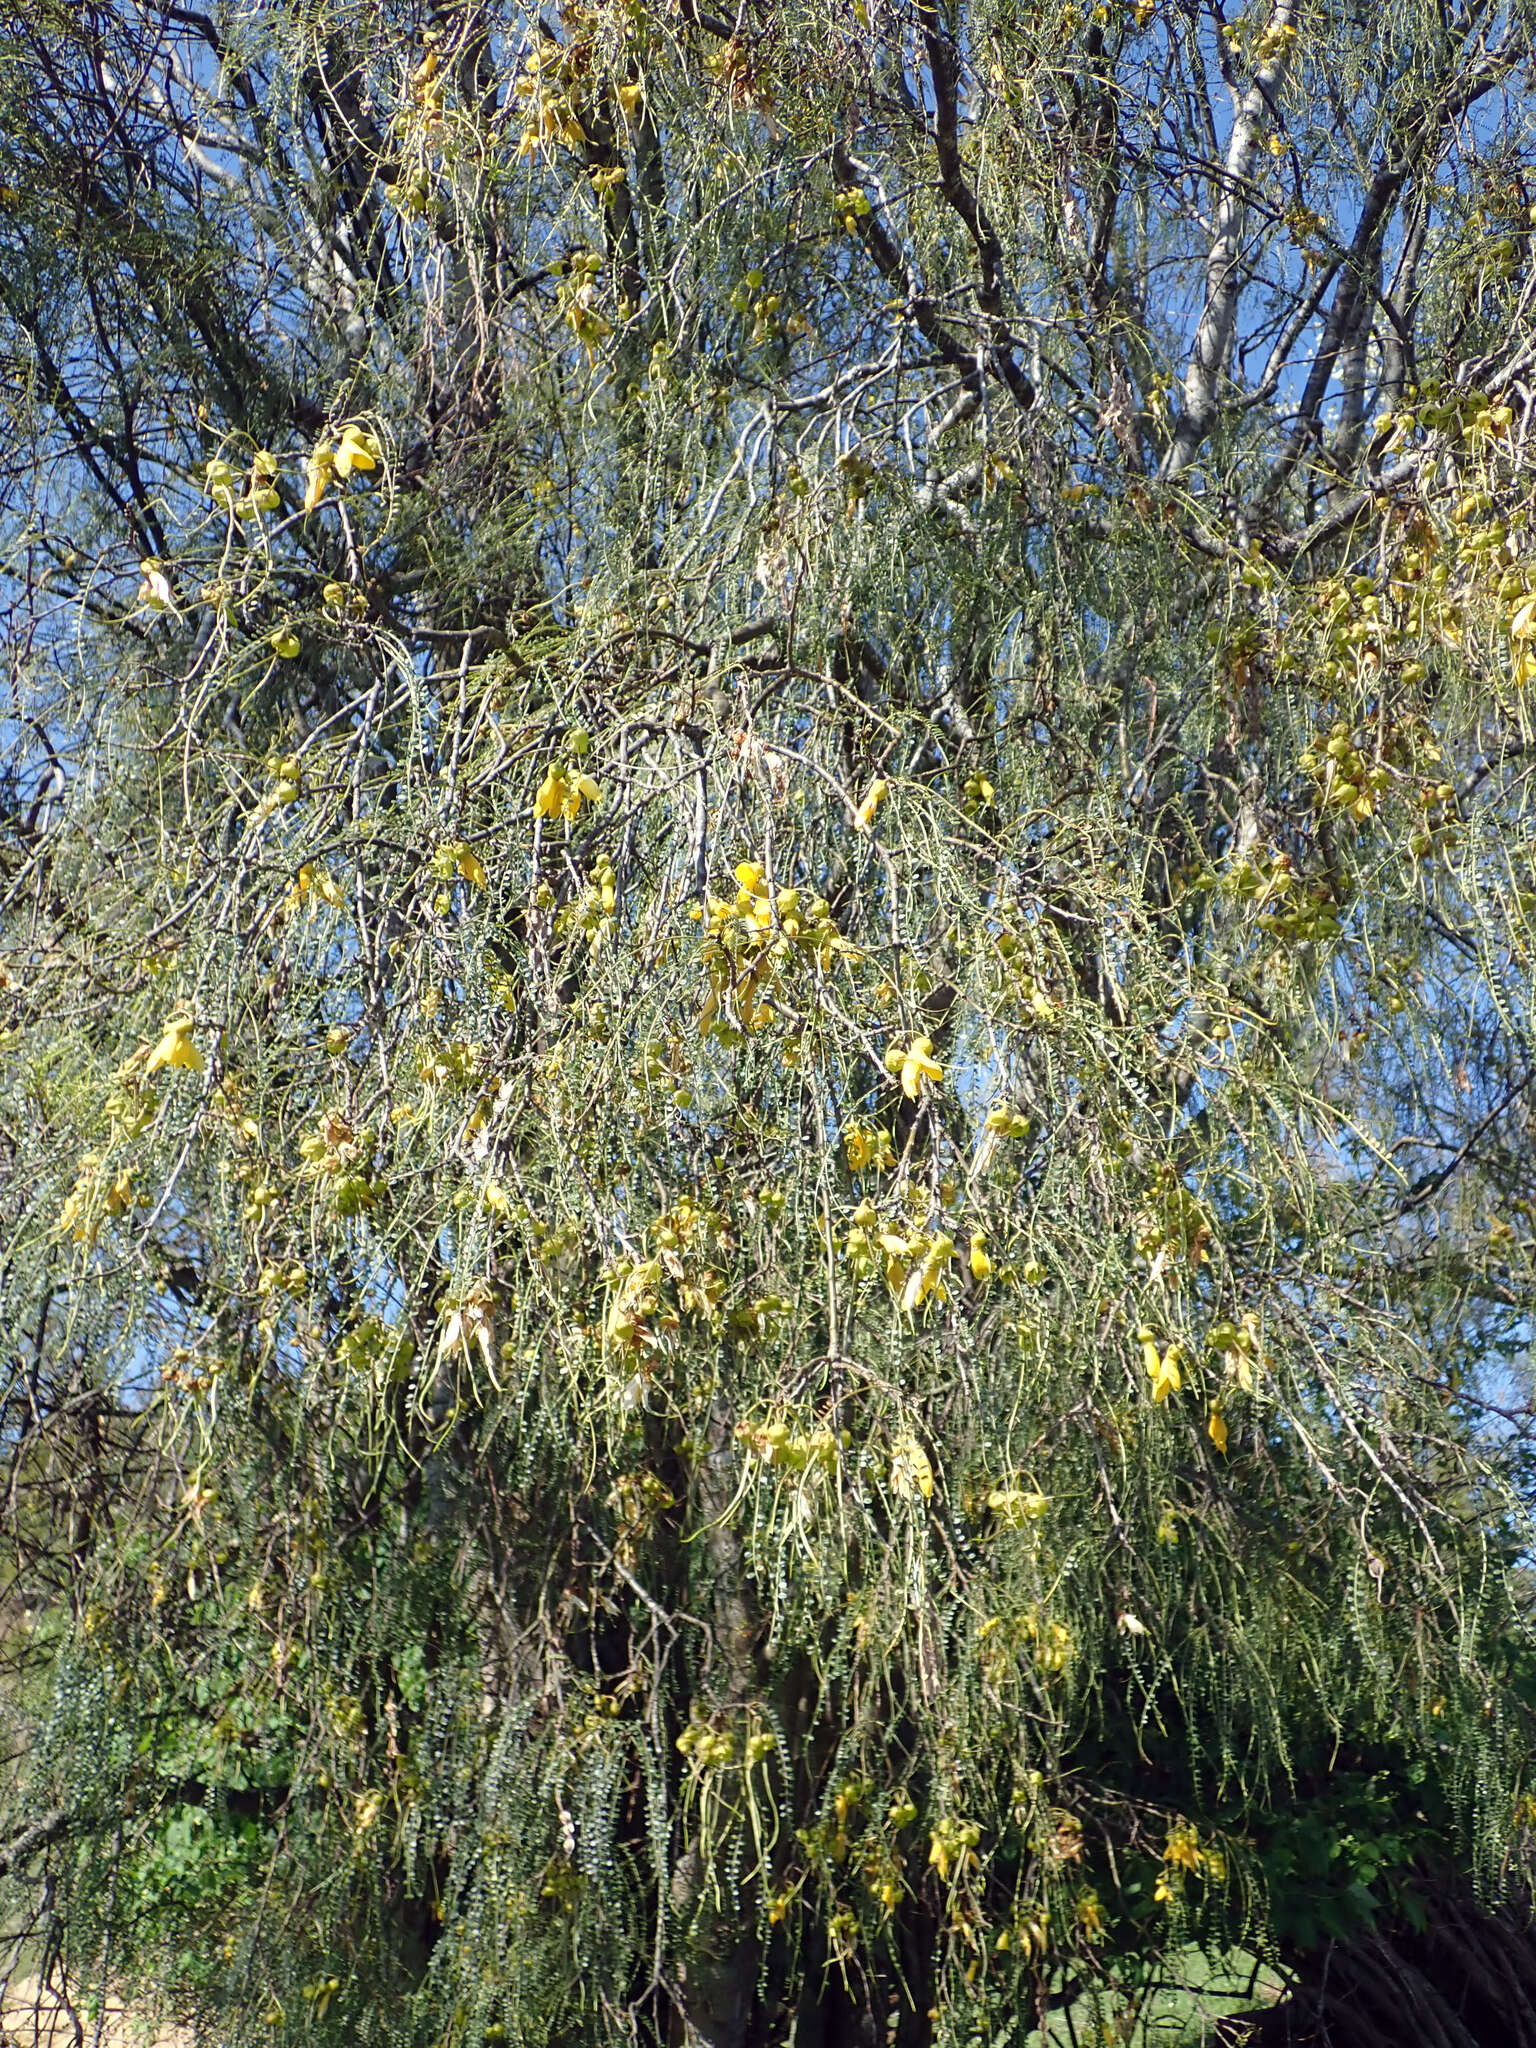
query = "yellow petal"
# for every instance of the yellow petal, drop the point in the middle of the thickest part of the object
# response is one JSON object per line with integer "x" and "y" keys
{"x": 469, "y": 867}
{"x": 1165, "y": 1375}
{"x": 864, "y": 816}
{"x": 914, "y": 1064}
{"x": 1216, "y": 1429}
{"x": 1015, "y": 1506}
{"x": 318, "y": 471}
{"x": 176, "y": 1048}
{"x": 155, "y": 590}
{"x": 911, "y": 1473}
{"x": 358, "y": 450}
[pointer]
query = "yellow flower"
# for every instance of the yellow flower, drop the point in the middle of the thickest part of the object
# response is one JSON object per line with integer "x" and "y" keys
{"x": 359, "y": 450}
{"x": 1183, "y": 1850}
{"x": 864, "y": 816}
{"x": 927, "y": 1277}
{"x": 1216, "y": 1429}
{"x": 471, "y": 1327}
{"x": 563, "y": 792}
{"x": 1013, "y": 1506}
{"x": 312, "y": 880}
{"x": 221, "y": 482}
{"x": 981, "y": 1265}
{"x": 176, "y": 1048}
{"x": 953, "y": 1842}
{"x": 867, "y": 1146}
{"x": 1240, "y": 1346}
{"x": 581, "y": 789}
{"x": 74, "y": 1217}
{"x": 285, "y": 642}
{"x": 914, "y": 1064}
{"x": 911, "y": 1473}
{"x": 630, "y": 97}
{"x": 549, "y": 799}
{"x": 319, "y": 471}
{"x": 1162, "y": 1370}
{"x": 469, "y": 866}
{"x": 155, "y": 588}
{"x": 260, "y": 494}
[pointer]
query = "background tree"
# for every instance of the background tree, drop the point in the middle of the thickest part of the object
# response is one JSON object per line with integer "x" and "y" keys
{"x": 767, "y": 946}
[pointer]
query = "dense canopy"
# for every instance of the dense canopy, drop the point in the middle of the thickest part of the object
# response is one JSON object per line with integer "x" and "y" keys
{"x": 766, "y": 946}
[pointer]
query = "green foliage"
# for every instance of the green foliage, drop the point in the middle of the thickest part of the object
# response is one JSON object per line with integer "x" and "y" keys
{"x": 767, "y": 957}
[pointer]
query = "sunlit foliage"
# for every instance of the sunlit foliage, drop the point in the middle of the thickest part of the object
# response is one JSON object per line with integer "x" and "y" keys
{"x": 766, "y": 966}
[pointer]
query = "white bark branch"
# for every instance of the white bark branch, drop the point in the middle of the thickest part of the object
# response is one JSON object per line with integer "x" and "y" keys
{"x": 1213, "y": 335}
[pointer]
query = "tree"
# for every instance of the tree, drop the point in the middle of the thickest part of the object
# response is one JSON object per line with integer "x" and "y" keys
{"x": 767, "y": 940}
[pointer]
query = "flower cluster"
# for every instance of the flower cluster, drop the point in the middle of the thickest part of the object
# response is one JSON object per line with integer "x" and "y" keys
{"x": 563, "y": 792}
{"x": 749, "y": 937}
